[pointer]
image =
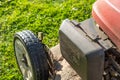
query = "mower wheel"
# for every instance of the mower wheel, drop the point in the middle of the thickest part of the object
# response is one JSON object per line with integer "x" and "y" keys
{"x": 30, "y": 56}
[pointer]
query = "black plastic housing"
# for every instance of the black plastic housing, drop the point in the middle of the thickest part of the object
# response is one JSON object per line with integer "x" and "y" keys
{"x": 82, "y": 53}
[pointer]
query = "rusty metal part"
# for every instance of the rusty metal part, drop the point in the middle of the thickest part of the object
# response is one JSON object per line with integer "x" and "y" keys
{"x": 112, "y": 65}
{"x": 50, "y": 62}
{"x": 49, "y": 58}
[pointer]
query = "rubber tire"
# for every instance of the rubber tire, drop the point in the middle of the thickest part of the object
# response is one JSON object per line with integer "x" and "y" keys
{"x": 36, "y": 52}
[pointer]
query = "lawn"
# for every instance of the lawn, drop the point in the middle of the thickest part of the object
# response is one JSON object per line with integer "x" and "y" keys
{"x": 38, "y": 16}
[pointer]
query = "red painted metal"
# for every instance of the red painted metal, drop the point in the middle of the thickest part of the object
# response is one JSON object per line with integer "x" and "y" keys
{"x": 107, "y": 14}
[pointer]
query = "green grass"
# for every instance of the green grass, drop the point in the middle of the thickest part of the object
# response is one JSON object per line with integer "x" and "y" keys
{"x": 35, "y": 15}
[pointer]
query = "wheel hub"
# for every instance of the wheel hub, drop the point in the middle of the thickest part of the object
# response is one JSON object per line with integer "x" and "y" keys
{"x": 23, "y": 60}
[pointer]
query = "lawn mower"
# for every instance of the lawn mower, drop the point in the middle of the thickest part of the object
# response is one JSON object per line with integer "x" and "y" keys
{"x": 91, "y": 47}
